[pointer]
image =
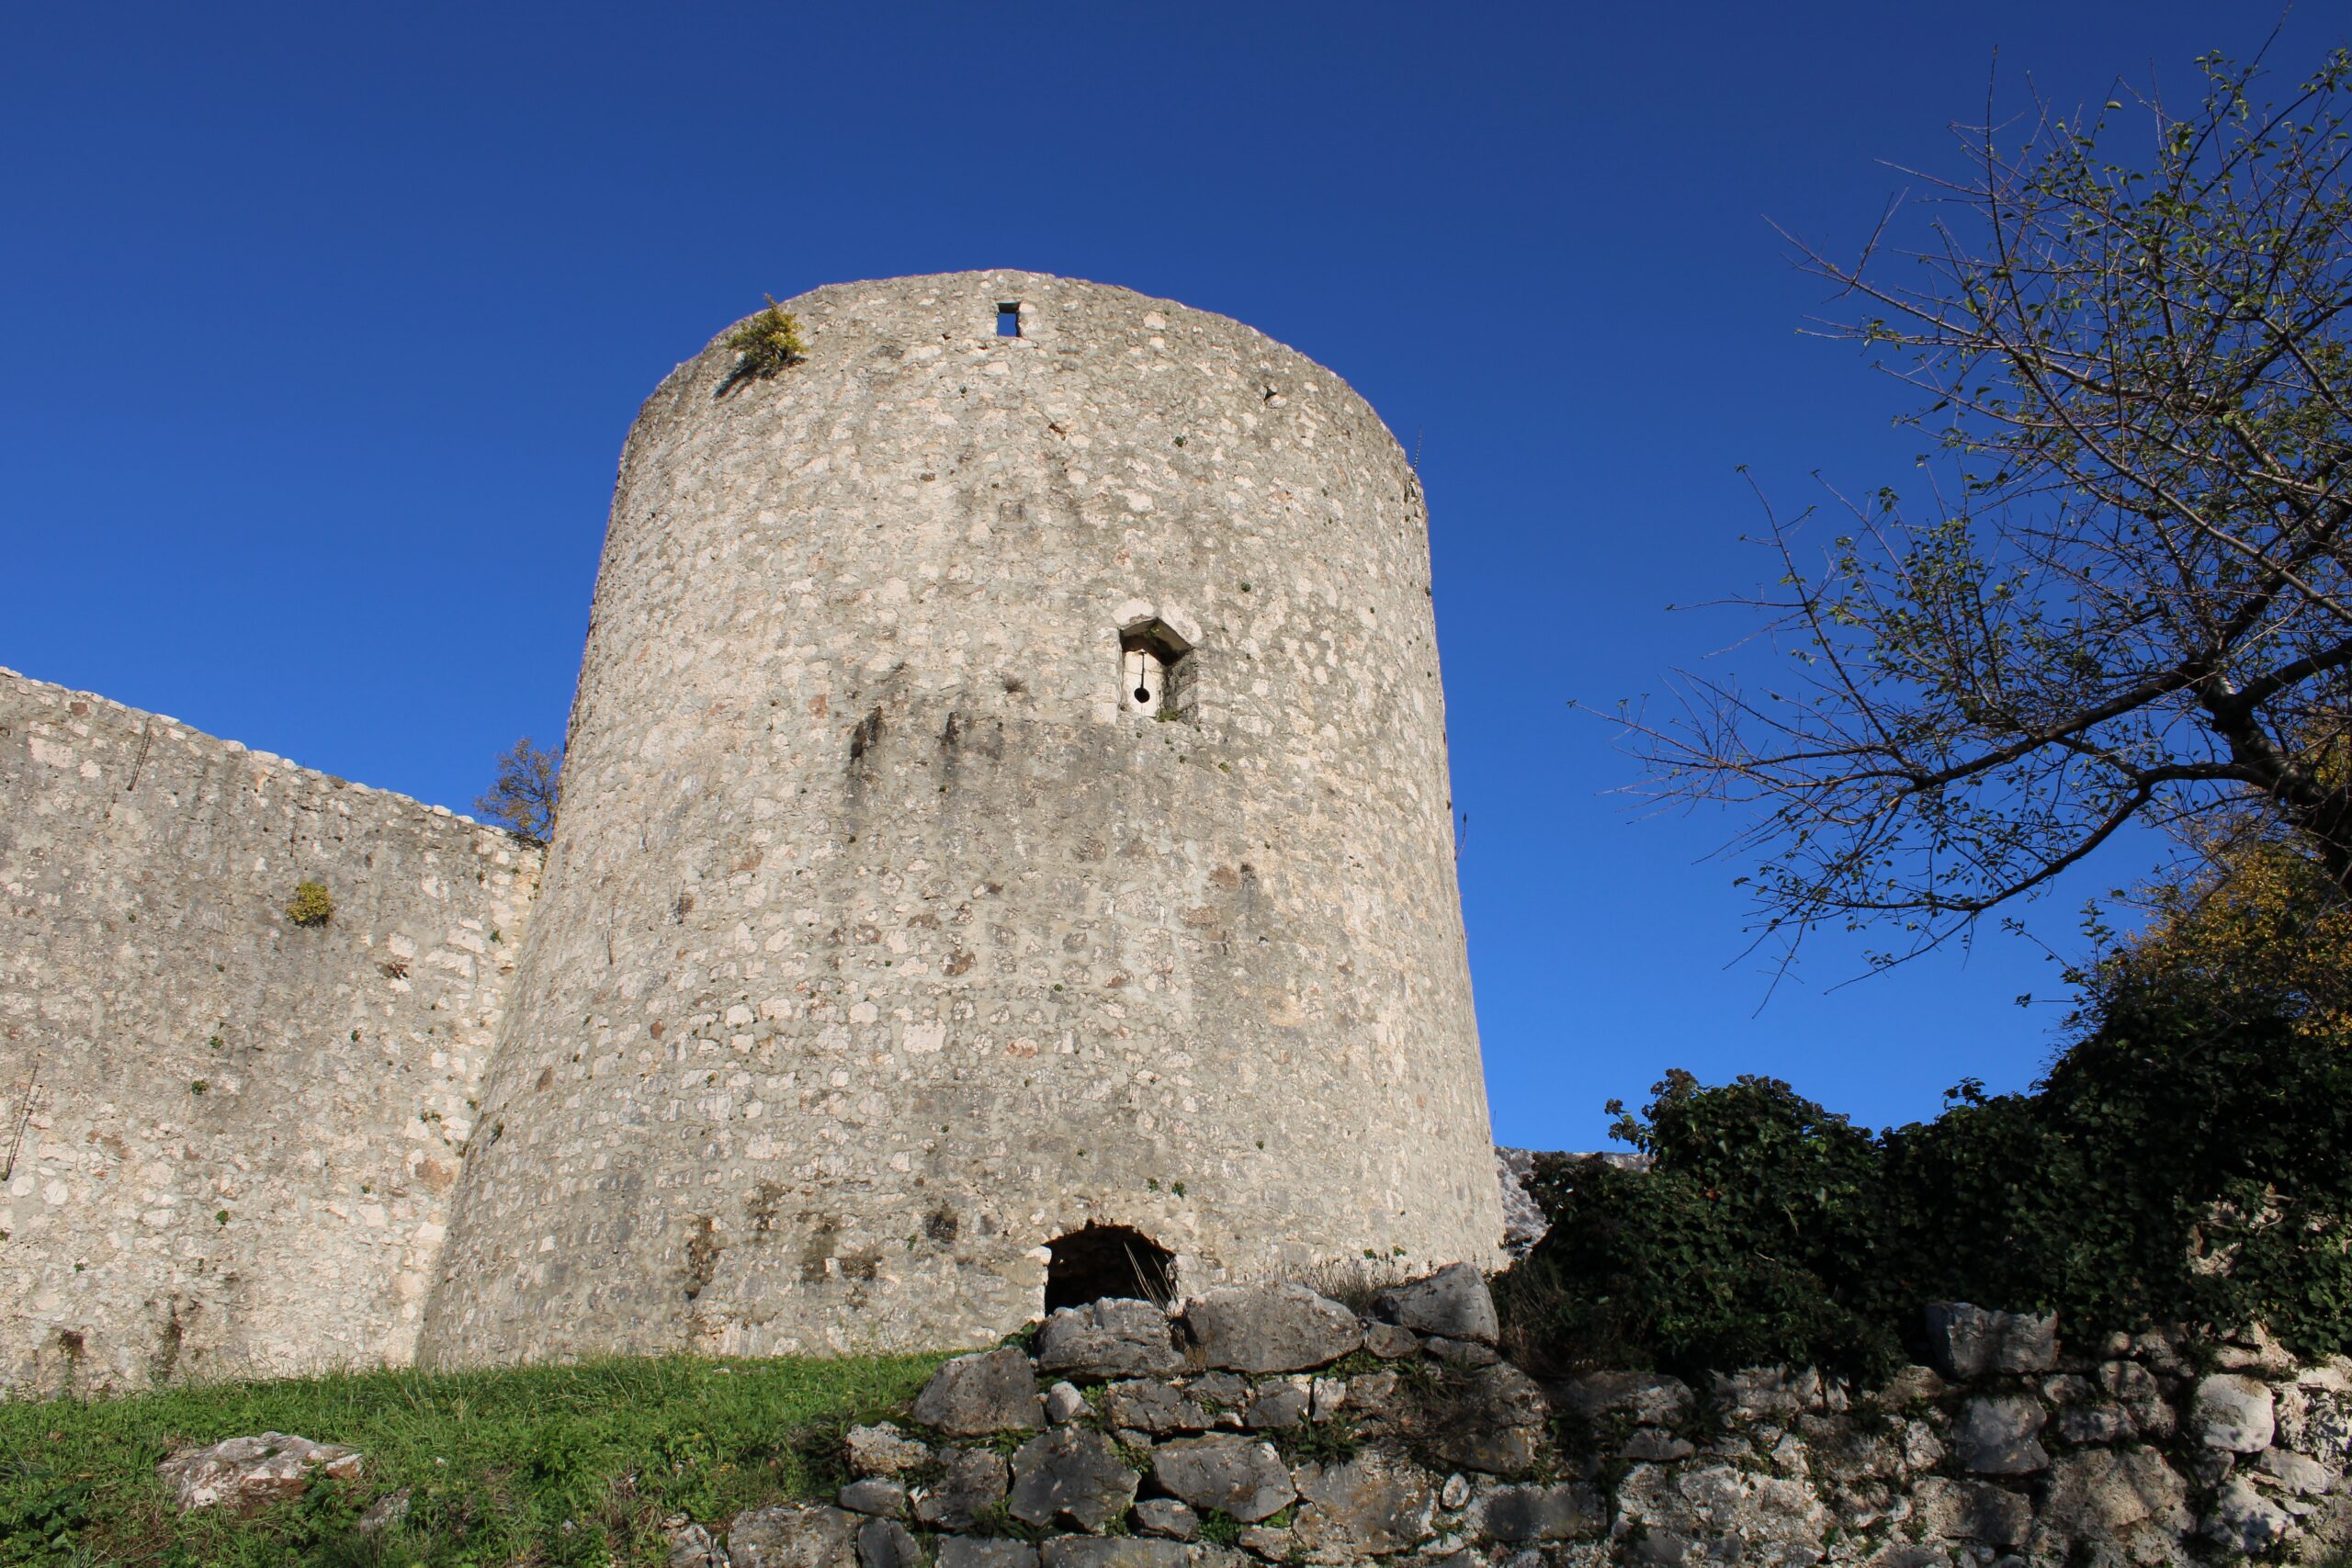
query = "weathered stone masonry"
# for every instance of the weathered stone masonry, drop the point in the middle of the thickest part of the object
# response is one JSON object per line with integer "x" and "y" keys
{"x": 887, "y": 936}
{"x": 1006, "y": 794}
{"x": 242, "y": 1135}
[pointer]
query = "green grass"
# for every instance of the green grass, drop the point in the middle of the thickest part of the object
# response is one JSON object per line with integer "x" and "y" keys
{"x": 526, "y": 1465}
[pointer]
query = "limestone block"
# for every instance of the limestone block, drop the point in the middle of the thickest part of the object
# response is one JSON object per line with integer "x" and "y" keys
{"x": 245, "y": 1472}
{"x": 793, "y": 1535}
{"x": 1108, "y": 1339}
{"x": 1967, "y": 1342}
{"x": 1521, "y": 1515}
{"x": 2235, "y": 1413}
{"x": 1651, "y": 1398}
{"x": 1370, "y": 1506}
{"x": 970, "y": 1482}
{"x": 883, "y": 1450}
{"x": 982, "y": 1551}
{"x": 1226, "y": 1474}
{"x": 1999, "y": 1435}
{"x": 875, "y": 1496}
{"x": 1454, "y": 1303}
{"x": 1974, "y": 1511}
{"x": 2245, "y": 1521}
{"x": 1070, "y": 1474}
{"x": 2112, "y": 1492}
{"x": 1270, "y": 1328}
{"x": 1166, "y": 1517}
{"x": 972, "y": 1396}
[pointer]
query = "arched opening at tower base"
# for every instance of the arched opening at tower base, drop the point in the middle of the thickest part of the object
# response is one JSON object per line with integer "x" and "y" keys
{"x": 1097, "y": 1261}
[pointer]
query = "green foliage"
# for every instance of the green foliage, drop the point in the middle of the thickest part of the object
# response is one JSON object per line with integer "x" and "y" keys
{"x": 311, "y": 905}
{"x": 1743, "y": 1244}
{"x": 2179, "y": 1165}
{"x": 1220, "y": 1529}
{"x": 767, "y": 342}
{"x": 537, "y": 1465}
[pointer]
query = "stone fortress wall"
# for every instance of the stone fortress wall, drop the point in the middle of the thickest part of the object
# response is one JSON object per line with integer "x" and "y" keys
{"x": 887, "y": 937}
{"x": 240, "y": 1137}
{"x": 1006, "y": 794}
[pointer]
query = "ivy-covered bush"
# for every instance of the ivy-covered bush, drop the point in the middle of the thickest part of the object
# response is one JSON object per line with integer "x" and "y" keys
{"x": 2182, "y": 1163}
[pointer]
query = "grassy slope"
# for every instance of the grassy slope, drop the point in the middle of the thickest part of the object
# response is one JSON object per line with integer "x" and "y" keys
{"x": 572, "y": 1464}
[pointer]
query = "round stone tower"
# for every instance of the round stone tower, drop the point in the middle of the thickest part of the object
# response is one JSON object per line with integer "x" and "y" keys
{"x": 1005, "y": 828}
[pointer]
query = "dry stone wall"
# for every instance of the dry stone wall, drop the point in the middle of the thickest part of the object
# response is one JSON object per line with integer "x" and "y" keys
{"x": 887, "y": 937}
{"x": 231, "y": 1141}
{"x": 1266, "y": 1424}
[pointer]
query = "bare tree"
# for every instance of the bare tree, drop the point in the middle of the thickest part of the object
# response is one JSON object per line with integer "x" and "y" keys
{"x": 2126, "y": 598}
{"x": 523, "y": 797}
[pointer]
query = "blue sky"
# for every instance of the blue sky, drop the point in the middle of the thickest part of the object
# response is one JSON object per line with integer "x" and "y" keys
{"x": 324, "y": 324}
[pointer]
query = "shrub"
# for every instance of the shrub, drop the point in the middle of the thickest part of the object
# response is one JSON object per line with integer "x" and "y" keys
{"x": 311, "y": 905}
{"x": 2182, "y": 1163}
{"x": 767, "y": 342}
{"x": 1737, "y": 1247}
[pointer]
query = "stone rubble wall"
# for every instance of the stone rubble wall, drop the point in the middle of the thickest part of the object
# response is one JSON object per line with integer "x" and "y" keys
{"x": 236, "y": 1155}
{"x": 1265, "y": 1424}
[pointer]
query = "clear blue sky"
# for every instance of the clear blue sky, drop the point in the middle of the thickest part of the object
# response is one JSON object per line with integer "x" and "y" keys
{"x": 322, "y": 325}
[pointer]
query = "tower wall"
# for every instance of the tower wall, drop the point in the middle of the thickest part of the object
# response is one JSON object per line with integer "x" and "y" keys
{"x": 884, "y": 939}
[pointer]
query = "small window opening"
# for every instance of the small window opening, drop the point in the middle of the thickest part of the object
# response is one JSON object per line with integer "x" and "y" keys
{"x": 1108, "y": 1261}
{"x": 1008, "y": 320}
{"x": 1155, "y": 671}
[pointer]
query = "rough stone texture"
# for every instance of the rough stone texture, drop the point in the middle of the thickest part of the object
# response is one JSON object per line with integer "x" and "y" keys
{"x": 1519, "y": 1515}
{"x": 690, "y": 1546}
{"x": 1974, "y": 1511}
{"x": 793, "y": 1535}
{"x": 1454, "y": 1303}
{"x": 245, "y": 1472}
{"x": 976, "y": 1551}
{"x": 1371, "y": 1505}
{"x": 1650, "y": 1397}
{"x": 1088, "y": 1551}
{"x": 1724, "y": 1502}
{"x": 1967, "y": 1341}
{"x": 1070, "y": 1474}
{"x": 885, "y": 1499}
{"x": 1523, "y": 1221}
{"x": 878, "y": 911}
{"x": 1270, "y": 1328}
{"x": 973, "y": 1396}
{"x": 1997, "y": 1436}
{"x": 1159, "y": 1408}
{"x": 883, "y": 1450}
{"x": 1491, "y": 1420}
{"x": 2115, "y": 1494}
{"x": 1166, "y": 1517}
{"x": 2244, "y": 1520}
{"x": 1108, "y": 1339}
{"x": 1284, "y": 1404}
{"x": 286, "y": 1219}
{"x": 1064, "y": 1403}
{"x": 1780, "y": 1468}
{"x": 970, "y": 1482}
{"x": 887, "y": 1543}
{"x": 2235, "y": 1413}
{"x": 1231, "y": 1474}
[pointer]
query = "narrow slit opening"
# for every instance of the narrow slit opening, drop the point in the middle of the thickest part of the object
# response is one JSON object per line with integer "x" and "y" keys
{"x": 1008, "y": 320}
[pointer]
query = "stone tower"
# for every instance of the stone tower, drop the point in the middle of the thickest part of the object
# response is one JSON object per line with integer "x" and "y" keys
{"x": 1006, "y": 795}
